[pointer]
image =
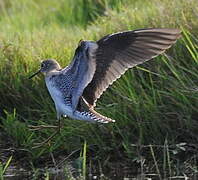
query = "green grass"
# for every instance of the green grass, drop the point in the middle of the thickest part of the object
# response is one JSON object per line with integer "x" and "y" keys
{"x": 3, "y": 168}
{"x": 154, "y": 104}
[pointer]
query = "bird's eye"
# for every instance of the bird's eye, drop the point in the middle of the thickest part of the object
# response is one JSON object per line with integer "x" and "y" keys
{"x": 42, "y": 65}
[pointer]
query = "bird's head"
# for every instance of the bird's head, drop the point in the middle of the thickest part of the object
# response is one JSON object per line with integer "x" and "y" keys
{"x": 47, "y": 66}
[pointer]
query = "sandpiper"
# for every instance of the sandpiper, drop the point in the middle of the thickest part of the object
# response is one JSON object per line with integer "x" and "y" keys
{"x": 96, "y": 65}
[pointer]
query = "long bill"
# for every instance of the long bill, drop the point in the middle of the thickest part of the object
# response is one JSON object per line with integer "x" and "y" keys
{"x": 34, "y": 74}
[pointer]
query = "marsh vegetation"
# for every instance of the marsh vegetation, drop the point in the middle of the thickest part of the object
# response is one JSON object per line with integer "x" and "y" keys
{"x": 155, "y": 104}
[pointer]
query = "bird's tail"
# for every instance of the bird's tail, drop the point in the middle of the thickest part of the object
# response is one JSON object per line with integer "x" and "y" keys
{"x": 100, "y": 117}
{"x": 91, "y": 116}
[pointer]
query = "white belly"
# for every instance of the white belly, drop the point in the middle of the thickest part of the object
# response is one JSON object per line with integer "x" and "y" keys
{"x": 58, "y": 99}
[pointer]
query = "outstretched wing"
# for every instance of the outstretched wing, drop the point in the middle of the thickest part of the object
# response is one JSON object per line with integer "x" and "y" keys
{"x": 120, "y": 51}
{"x": 81, "y": 71}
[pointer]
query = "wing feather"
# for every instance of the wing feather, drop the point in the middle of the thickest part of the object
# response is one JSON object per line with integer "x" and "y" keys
{"x": 120, "y": 51}
{"x": 81, "y": 69}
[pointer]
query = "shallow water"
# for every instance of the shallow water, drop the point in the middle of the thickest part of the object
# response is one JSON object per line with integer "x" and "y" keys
{"x": 18, "y": 173}
{"x": 13, "y": 172}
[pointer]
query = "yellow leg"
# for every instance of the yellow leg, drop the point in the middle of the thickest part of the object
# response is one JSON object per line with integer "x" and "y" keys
{"x": 37, "y": 145}
{"x": 35, "y": 128}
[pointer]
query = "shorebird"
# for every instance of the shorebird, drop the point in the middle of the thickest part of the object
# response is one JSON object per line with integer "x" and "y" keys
{"x": 96, "y": 65}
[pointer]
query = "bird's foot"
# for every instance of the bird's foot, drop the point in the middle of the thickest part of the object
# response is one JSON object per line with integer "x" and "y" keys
{"x": 36, "y": 128}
